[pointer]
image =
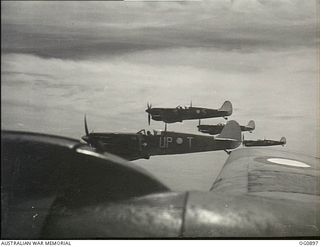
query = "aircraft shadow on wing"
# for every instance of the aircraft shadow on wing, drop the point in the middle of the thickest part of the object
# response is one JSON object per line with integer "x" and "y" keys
{"x": 144, "y": 144}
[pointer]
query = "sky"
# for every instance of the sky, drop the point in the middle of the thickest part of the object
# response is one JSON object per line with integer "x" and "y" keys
{"x": 61, "y": 60}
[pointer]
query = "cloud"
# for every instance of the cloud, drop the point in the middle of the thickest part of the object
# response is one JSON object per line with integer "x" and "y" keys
{"x": 76, "y": 30}
{"x": 116, "y": 89}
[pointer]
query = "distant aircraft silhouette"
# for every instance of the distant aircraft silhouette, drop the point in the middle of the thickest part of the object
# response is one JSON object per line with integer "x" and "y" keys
{"x": 265, "y": 142}
{"x": 179, "y": 114}
{"x": 217, "y": 128}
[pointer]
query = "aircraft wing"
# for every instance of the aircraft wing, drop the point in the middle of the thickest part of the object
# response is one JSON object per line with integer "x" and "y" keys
{"x": 259, "y": 193}
{"x": 171, "y": 115}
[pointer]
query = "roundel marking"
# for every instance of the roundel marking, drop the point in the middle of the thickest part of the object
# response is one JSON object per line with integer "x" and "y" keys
{"x": 198, "y": 111}
{"x": 287, "y": 162}
{"x": 179, "y": 140}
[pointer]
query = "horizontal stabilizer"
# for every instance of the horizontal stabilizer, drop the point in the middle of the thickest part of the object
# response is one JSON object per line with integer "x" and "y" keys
{"x": 283, "y": 139}
{"x": 226, "y": 107}
{"x": 231, "y": 131}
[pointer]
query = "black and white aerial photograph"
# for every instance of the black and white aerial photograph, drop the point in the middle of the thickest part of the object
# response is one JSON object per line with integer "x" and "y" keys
{"x": 154, "y": 119}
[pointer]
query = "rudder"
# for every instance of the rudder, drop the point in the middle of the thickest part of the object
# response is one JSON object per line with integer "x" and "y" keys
{"x": 227, "y": 107}
{"x": 231, "y": 130}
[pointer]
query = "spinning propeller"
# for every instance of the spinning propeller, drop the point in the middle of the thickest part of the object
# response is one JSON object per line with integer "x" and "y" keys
{"x": 149, "y": 107}
{"x": 90, "y": 139}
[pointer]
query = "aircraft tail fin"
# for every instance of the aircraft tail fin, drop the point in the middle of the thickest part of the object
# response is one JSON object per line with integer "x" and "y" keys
{"x": 231, "y": 131}
{"x": 283, "y": 139}
{"x": 227, "y": 107}
{"x": 251, "y": 124}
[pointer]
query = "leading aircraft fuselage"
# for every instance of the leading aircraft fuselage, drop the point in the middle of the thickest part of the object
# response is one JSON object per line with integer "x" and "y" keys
{"x": 140, "y": 145}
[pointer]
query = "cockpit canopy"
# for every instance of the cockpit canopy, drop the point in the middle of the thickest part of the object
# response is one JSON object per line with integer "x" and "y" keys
{"x": 144, "y": 132}
{"x": 157, "y": 132}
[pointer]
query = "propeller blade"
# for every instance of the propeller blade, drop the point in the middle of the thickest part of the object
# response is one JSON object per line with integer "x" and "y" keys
{"x": 86, "y": 126}
{"x": 90, "y": 139}
{"x": 149, "y": 106}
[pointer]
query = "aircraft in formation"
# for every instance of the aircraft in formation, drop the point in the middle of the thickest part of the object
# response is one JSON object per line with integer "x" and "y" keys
{"x": 265, "y": 142}
{"x": 178, "y": 114}
{"x": 59, "y": 188}
{"x": 217, "y": 128}
{"x": 143, "y": 144}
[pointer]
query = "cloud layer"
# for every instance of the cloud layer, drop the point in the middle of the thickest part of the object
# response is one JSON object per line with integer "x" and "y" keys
{"x": 77, "y": 30}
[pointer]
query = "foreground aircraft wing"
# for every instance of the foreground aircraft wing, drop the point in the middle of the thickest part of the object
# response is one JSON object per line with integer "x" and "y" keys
{"x": 259, "y": 193}
{"x": 58, "y": 188}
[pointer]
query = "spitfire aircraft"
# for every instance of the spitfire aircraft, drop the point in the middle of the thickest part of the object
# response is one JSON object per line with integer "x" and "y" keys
{"x": 178, "y": 114}
{"x": 216, "y": 129}
{"x": 144, "y": 144}
{"x": 265, "y": 142}
{"x": 55, "y": 187}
